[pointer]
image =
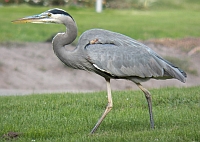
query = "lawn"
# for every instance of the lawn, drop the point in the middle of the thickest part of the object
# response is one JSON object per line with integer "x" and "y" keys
{"x": 137, "y": 24}
{"x": 70, "y": 117}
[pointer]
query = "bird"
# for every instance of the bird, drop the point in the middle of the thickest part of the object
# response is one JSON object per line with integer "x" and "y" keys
{"x": 109, "y": 54}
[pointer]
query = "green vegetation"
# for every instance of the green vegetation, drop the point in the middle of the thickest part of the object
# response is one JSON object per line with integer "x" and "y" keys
{"x": 153, "y": 4}
{"x": 137, "y": 24}
{"x": 70, "y": 117}
{"x": 172, "y": 4}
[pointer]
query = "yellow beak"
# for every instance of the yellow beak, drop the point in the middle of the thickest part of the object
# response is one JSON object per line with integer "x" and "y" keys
{"x": 42, "y": 18}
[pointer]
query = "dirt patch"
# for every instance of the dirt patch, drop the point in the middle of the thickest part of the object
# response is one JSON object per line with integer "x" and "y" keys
{"x": 11, "y": 135}
{"x": 34, "y": 67}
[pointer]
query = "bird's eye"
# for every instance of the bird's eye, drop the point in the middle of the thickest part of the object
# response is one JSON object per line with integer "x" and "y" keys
{"x": 49, "y": 14}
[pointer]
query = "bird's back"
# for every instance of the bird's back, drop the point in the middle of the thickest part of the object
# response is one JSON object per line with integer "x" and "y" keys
{"x": 118, "y": 56}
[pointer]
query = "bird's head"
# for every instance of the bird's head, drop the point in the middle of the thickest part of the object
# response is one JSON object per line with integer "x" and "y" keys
{"x": 51, "y": 16}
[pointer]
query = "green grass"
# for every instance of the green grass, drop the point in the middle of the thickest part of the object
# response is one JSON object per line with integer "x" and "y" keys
{"x": 175, "y": 4}
{"x": 147, "y": 24}
{"x": 70, "y": 117}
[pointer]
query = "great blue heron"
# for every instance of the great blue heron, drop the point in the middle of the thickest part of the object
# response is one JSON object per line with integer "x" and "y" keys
{"x": 109, "y": 54}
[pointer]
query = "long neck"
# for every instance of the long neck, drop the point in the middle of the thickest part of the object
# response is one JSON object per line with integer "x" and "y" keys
{"x": 62, "y": 39}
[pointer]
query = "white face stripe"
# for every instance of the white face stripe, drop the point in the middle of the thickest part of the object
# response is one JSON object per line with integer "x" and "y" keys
{"x": 50, "y": 18}
{"x": 56, "y": 18}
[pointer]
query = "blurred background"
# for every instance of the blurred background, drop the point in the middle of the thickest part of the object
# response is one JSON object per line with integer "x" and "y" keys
{"x": 138, "y": 4}
{"x": 27, "y": 61}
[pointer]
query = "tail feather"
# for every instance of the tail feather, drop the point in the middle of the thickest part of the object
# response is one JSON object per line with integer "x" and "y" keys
{"x": 175, "y": 72}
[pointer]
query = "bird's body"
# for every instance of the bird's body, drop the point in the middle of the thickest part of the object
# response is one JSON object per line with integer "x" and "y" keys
{"x": 109, "y": 54}
{"x": 117, "y": 56}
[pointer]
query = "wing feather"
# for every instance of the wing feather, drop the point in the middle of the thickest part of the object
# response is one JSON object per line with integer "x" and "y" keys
{"x": 123, "y": 56}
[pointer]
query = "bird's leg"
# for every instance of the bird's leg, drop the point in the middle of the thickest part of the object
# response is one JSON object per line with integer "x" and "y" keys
{"x": 108, "y": 108}
{"x": 148, "y": 97}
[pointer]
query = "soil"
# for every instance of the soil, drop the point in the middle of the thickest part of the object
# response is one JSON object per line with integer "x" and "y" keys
{"x": 34, "y": 68}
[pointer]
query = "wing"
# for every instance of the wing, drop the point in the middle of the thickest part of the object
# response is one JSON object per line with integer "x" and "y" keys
{"x": 122, "y": 61}
{"x": 107, "y": 37}
{"x": 122, "y": 56}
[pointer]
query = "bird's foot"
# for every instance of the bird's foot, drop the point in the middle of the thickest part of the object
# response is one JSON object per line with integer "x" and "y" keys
{"x": 94, "y": 41}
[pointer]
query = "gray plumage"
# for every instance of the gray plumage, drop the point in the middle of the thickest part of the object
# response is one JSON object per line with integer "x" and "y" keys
{"x": 122, "y": 57}
{"x": 109, "y": 54}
